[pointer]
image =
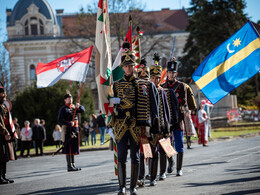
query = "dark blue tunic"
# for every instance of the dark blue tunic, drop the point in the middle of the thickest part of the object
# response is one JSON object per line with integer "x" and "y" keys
{"x": 71, "y": 145}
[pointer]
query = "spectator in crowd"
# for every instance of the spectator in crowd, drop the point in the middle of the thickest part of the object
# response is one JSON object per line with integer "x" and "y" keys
{"x": 93, "y": 125}
{"x": 195, "y": 120}
{"x": 57, "y": 136}
{"x": 18, "y": 131}
{"x": 86, "y": 132}
{"x": 101, "y": 127}
{"x": 42, "y": 122}
{"x": 203, "y": 124}
{"x": 26, "y": 137}
{"x": 38, "y": 136}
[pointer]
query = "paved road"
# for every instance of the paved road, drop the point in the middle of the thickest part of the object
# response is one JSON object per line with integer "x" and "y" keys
{"x": 225, "y": 167}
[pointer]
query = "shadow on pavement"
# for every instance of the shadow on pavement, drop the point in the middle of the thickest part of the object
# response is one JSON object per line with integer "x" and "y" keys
{"x": 224, "y": 182}
{"x": 88, "y": 189}
{"x": 204, "y": 164}
{"x": 243, "y": 192}
{"x": 255, "y": 169}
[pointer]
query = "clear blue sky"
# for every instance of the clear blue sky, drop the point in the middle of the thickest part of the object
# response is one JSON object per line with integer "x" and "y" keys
{"x": 73, "y": 6}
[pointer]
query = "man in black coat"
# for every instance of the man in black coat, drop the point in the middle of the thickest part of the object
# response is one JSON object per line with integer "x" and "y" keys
{"x": 101, "y": 127}
{"x": 6, "y": 139}
{"x": 70, "y": 128}
{"x": 181, "y": 93}
{"x": 38, "y": 136}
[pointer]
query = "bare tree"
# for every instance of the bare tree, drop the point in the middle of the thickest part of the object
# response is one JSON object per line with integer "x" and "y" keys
{"x": 4, "y": 68}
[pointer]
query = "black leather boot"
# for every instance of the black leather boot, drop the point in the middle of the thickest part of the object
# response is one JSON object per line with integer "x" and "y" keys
{"x": 2, "y": 181}
{"x": 69, "y": 166}
{"x": 179, "y": 164}
{"x": 4, "y": 174}
{"x": 73, "y": 163}
{"x": 153, "y": 171}
{"x": 188, "y": 142}
{"x": 148, "y": 175}
{"x": 141, "y": 180}
{"x": 171, "y": 163}
{"x": 133, "y": 180}
{"x": 163, "y": 162}
{"x": 121, "y": 178}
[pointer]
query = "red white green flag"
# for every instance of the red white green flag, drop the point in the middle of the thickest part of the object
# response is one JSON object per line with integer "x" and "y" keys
{"x": 117, "y": 70}
{"x": 103, "y": 65}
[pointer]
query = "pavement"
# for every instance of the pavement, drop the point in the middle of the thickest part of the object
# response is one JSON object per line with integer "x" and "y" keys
{"x": 227, "y": 166}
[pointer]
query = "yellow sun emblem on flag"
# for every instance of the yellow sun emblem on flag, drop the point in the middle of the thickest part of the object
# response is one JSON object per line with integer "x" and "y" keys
{"x": 236, "y": 42}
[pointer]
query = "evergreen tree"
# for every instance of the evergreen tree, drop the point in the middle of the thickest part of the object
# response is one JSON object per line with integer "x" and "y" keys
{"x": 45, "y": 103}
{"x": 210, "y": 24}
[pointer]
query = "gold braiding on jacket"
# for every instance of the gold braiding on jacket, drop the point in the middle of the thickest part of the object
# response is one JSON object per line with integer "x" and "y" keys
{"x": 123, "y": 125}
{"x": 169, "y": 101}
{"x": 143, "y": 105}
{"x": 161, "y": 115}
{"x": 126, "y": 92}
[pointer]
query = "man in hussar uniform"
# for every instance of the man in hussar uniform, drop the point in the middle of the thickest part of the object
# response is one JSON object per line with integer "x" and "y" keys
{"x": 189, "y": 127}
{"x": 70, "y": 130}
{"x": 168, "y": 114}
{"x": 7, "y": 151}
{"x": 143, "y": 75}
{"x": 128, "y": 92}
{"x": 180, "y": 91}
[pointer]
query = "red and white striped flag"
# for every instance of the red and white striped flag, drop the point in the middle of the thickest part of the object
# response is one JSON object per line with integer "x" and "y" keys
{"x": 9, "y": 107}
{"x": 72, "y": 67}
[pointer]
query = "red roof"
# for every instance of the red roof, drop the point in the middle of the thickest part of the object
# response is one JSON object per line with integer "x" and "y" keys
{"x": 154, "y": 22}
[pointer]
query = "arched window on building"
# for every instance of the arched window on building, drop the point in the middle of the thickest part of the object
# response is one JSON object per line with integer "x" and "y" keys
{"x": 34, "y": 26}
{"x": 26, "y": 28}
{"x": 32, "y": 72}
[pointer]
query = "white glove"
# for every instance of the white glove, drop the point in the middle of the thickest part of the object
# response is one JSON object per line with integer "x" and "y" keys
{"x": 147, "y": 131}
{"x": 114, "y": 100}
{"x": 110, "y": 132}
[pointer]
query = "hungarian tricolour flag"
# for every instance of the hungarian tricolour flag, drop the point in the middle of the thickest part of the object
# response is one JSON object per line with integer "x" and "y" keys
{"x": 117, "y": 70}
{"x": 103, "y": 65}
{"x": 72, "y": 67}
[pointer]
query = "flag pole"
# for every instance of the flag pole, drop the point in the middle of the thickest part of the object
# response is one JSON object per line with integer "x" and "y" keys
{"x": 139, "y": 44}
{"x": 82, "y": 84}
{"x": 130, "y": 27}
{"x": 172, "y": 54}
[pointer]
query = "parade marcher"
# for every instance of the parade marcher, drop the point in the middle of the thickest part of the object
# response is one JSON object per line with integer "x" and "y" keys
{"x": 164, "y": 120}
{"x": 7, "y": 149}
{"x": 38, "y": 136}
{"x": 26, "y": 137}
{"x": 71, "y": 128}
{"x": 189, "y": 127}
{"x": 127, "y": 94}
{"x": 203, "y": 124}
{"x": 142, "y": 73}
{"x": 180, "y": 91}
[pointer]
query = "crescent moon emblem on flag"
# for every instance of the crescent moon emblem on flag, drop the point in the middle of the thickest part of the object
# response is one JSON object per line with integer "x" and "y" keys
{"x": 229, "y": 51}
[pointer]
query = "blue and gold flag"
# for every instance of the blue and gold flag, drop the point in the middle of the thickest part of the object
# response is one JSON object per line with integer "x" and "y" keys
{"x": 230, "y": 64}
